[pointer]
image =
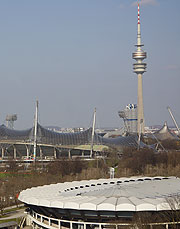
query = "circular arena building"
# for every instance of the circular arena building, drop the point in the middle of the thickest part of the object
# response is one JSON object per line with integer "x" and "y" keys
{"x": 105, "y": 203}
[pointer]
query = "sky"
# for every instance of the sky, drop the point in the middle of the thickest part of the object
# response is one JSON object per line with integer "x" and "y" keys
{"x": 75, "y": 55}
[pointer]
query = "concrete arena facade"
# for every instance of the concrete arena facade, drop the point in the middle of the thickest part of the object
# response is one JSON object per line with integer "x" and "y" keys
{"x": 100, "y": 203}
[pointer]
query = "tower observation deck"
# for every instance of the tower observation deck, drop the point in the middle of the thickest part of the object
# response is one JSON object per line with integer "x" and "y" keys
{"x": 139, "y": 68}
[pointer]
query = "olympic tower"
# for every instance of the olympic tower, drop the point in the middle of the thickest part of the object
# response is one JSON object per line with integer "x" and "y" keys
{"x": 139, "y": 68}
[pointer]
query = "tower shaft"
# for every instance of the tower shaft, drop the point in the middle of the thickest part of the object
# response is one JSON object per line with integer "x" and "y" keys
{"x": 140, "y": 106}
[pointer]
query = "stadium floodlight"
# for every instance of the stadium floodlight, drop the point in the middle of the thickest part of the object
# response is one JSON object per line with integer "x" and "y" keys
{"x": 10, "y": 119}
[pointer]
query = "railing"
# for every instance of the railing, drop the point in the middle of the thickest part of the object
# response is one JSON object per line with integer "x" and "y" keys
{"x": 48, "y": 222}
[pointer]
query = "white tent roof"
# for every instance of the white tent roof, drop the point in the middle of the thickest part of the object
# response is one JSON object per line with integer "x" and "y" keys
{"x": 165, "y": 133}
{"x": 123, "y": 194}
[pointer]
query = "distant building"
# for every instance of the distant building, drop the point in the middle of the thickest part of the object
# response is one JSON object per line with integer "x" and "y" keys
{"x": 129, "y": 115}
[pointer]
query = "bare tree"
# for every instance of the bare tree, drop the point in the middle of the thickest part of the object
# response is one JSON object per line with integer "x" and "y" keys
{"x": 173, "y": 215}
{"x": 142, "y": 220}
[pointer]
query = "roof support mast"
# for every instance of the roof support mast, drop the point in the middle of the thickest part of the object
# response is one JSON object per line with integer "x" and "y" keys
{"x": 35, "y": 131}
{"x": 93, "y": 130}
{"x": 174, "y": 120}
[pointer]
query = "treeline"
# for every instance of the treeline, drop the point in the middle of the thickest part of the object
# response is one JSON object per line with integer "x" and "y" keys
{"x": 149, "y": 163}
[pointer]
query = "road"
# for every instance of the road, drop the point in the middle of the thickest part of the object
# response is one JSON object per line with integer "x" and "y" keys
{"x": 14, "y": 215}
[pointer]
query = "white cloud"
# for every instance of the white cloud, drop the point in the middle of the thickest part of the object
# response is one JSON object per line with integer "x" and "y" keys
{"x": 146, "y": 2}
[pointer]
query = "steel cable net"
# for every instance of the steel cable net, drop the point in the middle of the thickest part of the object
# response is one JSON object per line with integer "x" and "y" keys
{"x": 9, "y": 134}
{"x": 47, "y": 136}
{"x": 53, "y": 138}
{"x": 128, "y": 141}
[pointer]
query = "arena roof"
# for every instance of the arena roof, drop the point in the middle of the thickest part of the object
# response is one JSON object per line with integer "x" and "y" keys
{"x": 120, "y": 194}
{"x": 45, "y": 136}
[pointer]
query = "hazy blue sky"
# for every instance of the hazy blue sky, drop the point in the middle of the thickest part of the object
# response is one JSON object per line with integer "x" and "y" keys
{"x": 74, "y": 55}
